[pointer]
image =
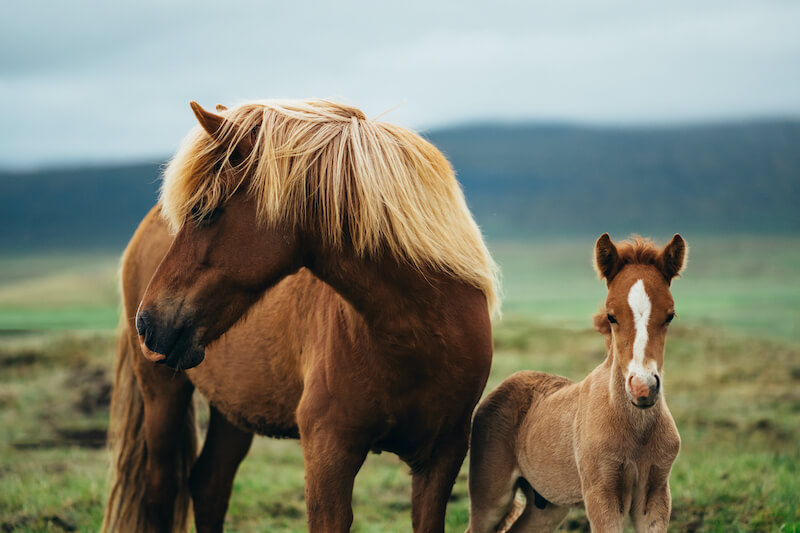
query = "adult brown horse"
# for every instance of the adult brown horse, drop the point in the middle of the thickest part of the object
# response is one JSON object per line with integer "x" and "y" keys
{"x": 367, "y": 289}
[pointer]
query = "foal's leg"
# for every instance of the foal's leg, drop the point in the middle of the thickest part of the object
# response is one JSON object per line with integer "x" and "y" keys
{"x": 534, "y": 519}
{"x": 607, "y": 490}
{"x": 603, "y": 509}
{"x": 333, "y": 456}
{"x": 166, "y": 395}
{"x": 212, "y": 476}
{"x": 493, "y": 471}
{"x": 650, "y": 508}
{"x": 432, "y": 480}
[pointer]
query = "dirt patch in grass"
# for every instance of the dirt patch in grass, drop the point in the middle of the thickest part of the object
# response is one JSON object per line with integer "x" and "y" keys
{"x": 47, "y": 523}
{"x": 93, "y": 438}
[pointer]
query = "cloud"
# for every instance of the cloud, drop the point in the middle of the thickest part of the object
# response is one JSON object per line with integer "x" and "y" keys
{"x": 108, "y": 81}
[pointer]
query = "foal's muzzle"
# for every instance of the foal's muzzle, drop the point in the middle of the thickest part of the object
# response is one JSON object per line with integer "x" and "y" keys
{"x": 174, "y": 346}
{"x": 642, "y": 390}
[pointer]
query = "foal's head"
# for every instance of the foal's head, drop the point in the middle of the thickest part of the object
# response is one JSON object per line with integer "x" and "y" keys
{"x": 639, "y": 308}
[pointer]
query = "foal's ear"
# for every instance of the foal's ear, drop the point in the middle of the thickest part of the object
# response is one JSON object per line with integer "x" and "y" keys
{"x": 606, "y": 258}
{"x": 672, "y": 258}
{"x": 221, "y": 108}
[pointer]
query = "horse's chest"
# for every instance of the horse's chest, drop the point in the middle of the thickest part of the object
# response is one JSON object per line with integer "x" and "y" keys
{"x": 260, "y": 399}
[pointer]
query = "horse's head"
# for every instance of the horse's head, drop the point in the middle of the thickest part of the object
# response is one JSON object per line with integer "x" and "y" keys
{"x": 261, "y": 189}
{"x": 639, "y": 308}
{"x": 221, "y": 261}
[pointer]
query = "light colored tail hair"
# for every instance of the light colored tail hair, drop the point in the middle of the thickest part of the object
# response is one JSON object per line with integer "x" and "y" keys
{"x": 125, "y": 510}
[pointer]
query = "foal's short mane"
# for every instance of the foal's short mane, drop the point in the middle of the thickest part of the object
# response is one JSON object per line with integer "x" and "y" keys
{"x": 638, "y": 251}
{"x": 322, "y": 165}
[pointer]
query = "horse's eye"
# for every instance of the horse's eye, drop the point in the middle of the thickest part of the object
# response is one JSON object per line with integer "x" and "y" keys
{"x": 207, "y": 218}
{"x": 670, "y": 317}
{"x": 212, "y": 216}
{"x": 611, "y": 318}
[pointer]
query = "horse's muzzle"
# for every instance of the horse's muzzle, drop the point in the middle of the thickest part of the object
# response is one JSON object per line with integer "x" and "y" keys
{"x": 174, "y": 347}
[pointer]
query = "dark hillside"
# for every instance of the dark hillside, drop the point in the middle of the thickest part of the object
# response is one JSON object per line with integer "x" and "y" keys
{"x": 724, "y": 178}
{"x": 520, "y": 180}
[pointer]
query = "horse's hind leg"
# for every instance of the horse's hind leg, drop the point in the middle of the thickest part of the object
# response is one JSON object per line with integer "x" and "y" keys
{"x": 535, "y": 519}
{"x": 432, "y": 480}
{"x": 212, "y": 476}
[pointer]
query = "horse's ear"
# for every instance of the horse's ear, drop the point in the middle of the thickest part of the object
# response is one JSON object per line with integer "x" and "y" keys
{"x": 215, "y": 125}
{"x": 606, "y": 258}
{"x": 672, "y": 258}
{"x": 211, "y": 122}
{"x": 221, "y": 108}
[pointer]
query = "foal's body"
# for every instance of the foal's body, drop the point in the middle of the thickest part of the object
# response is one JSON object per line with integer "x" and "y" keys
{"x": 548, "y": 439}
{"x": 591, "y": 443}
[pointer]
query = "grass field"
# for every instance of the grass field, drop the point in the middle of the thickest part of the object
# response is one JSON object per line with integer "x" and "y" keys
{"x": 732, "y": 380}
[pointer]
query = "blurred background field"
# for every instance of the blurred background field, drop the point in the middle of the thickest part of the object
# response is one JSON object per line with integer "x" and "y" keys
{"x": 562, "y": 121}
{"x": 732, "y": 379}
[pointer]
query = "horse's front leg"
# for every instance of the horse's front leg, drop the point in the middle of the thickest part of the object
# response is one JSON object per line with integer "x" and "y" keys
{"x": 333, "y": 454}
{"x": 211, "y": 481}
{"x": 433, "y": 478}
{"x": 652, "y": 505}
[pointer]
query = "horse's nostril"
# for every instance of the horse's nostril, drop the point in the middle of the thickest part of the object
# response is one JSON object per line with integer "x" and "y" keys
{"x": 142, "y": 320}
{"x": 657, "y": 386}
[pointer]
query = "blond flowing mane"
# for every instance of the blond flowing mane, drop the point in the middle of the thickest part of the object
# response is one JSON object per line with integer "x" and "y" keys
{"x": 323, "y": 165}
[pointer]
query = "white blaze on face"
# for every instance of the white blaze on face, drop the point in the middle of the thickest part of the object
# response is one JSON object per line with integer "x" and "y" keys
{"x": 640, "y": 306}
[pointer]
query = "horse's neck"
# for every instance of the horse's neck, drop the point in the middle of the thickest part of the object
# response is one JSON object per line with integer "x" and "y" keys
{"x": 389, "y": 296}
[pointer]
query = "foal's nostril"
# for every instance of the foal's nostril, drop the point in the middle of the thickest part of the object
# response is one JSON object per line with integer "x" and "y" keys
{"x": 657, "y": 386}
{"x": 142, "y": 320}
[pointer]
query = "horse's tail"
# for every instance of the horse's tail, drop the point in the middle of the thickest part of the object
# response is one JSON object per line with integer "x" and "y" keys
{"x": 125, "y": 510}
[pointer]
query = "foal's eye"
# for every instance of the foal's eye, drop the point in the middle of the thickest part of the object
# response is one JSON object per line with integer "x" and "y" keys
{"x": 670, "y": 317}
{"x": 611, "y": 318}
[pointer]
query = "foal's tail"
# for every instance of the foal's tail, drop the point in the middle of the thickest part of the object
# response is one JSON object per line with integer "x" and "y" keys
{"x": 125, "y": 510}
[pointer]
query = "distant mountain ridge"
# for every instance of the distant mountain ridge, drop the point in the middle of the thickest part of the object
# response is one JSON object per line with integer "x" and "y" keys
{"x": 521, "y": 180}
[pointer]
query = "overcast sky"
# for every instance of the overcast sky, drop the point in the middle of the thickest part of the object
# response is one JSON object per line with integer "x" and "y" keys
{"x": 91, "y": 81}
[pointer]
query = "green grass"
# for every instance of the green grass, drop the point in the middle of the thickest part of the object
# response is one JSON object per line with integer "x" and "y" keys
{"x": 732, "y": 379}
{"x": 746, "y": 285}
{"x": 59, "y": 292}
{"x": 737, "y": 470}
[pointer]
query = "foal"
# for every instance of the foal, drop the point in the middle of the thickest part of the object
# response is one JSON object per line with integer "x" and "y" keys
{"x": 607, "y": 442}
